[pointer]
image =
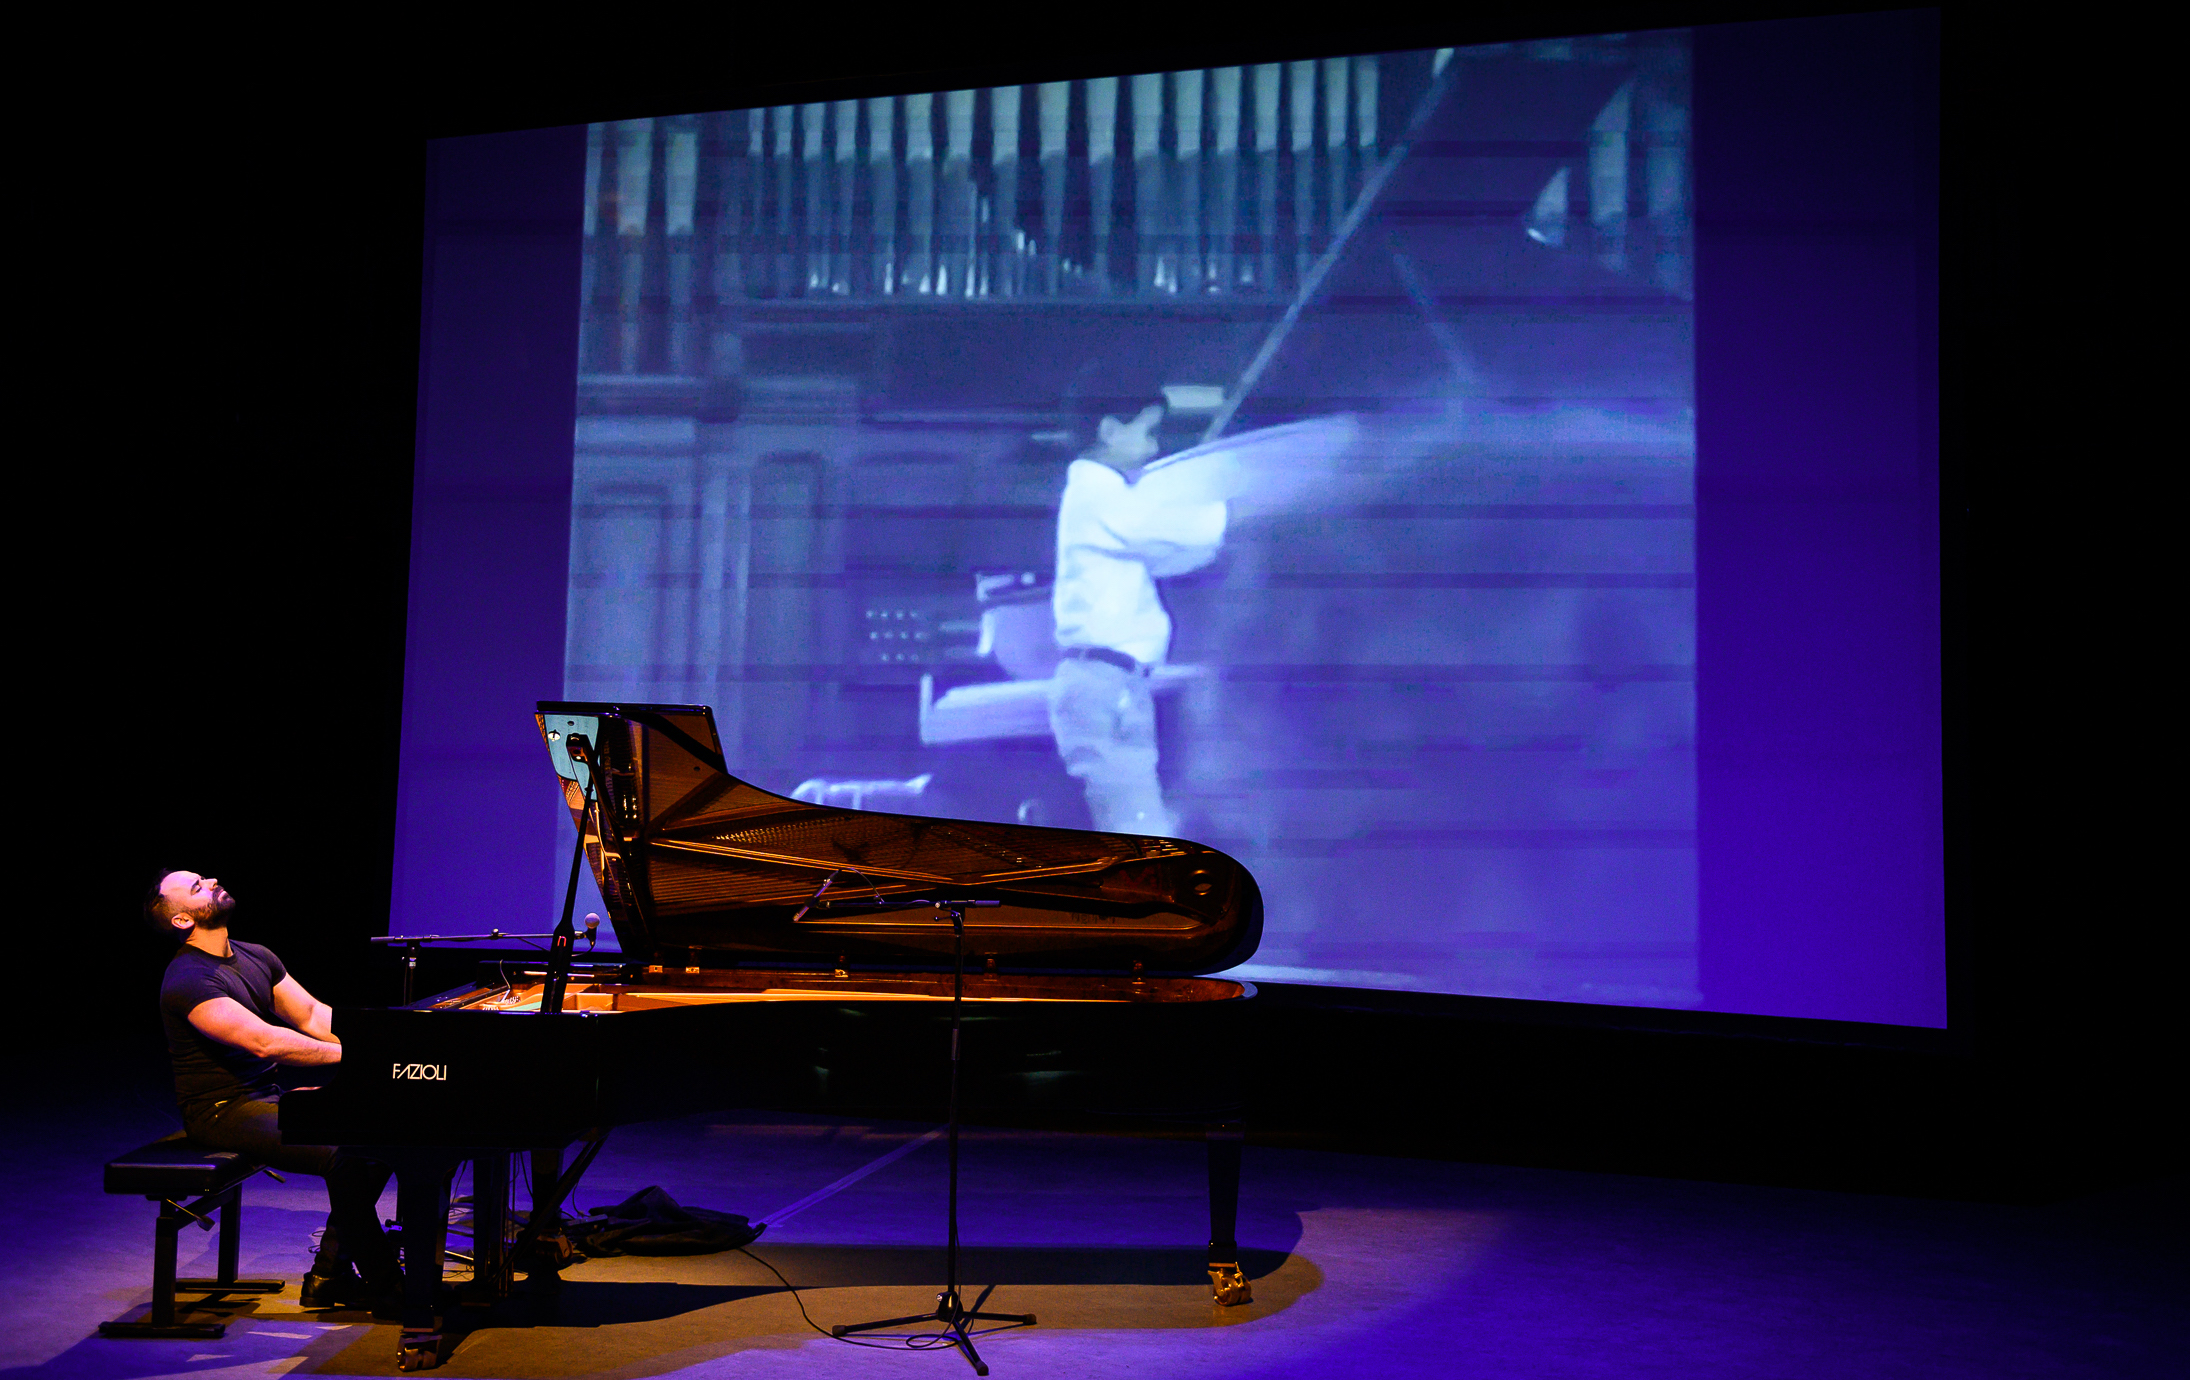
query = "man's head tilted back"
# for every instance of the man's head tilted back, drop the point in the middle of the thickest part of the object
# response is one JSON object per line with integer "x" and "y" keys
{"x": 182, "y": 902}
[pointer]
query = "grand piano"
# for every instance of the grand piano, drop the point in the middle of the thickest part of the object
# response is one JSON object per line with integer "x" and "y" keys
{"x": 774, "y": 953}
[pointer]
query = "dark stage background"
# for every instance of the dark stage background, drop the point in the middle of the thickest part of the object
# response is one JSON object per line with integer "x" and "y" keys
{"x": 241, "y": 650}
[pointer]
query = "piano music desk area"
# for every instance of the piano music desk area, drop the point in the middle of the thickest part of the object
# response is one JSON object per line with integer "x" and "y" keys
{"x": 604, "y": 997}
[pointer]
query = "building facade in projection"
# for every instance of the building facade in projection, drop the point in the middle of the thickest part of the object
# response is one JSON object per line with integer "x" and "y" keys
{"x": 1435, "y": 689}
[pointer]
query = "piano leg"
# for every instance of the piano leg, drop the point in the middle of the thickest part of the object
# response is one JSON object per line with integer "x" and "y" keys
{"x": 1226, "y": 1280}
{"x": 422, "y": 1205}
{"x": 551, "y": 1250}
{"x": 490, "y": 1271}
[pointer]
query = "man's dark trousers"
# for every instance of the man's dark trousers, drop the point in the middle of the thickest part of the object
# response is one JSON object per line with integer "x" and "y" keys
{"x": 250, "y": 1126}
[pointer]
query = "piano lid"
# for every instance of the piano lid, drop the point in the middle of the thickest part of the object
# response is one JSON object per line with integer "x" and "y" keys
{"x": 696, "y": 860}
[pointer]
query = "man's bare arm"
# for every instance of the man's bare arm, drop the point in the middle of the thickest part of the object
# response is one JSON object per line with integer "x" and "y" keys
{"x": 227, "y": 1020}
{"x": 305, "y": 1011}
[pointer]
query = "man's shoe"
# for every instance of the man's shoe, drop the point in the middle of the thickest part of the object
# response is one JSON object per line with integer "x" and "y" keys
{"x": 329, "y": 1291}
{"x": 346, "y": 1290}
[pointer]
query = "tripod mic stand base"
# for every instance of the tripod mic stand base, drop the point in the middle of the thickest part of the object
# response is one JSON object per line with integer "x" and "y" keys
{"x": 954, "y": 1316}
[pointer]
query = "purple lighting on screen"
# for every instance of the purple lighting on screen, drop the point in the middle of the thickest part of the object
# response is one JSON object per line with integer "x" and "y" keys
{"x": 489, "y": 530}
{"x": 1818, "y": 521}
{"x": 1812, "y": 883}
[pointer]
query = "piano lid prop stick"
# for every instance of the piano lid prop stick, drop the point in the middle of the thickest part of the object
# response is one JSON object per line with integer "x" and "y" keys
{"x": 1340, "y": 238}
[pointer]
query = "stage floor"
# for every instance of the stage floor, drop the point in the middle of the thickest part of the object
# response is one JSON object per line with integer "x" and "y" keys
{"x": 1361, "y": 1266}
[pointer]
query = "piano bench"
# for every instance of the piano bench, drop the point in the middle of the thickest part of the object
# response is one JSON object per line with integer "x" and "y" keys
{"x": 166, "y": 1172}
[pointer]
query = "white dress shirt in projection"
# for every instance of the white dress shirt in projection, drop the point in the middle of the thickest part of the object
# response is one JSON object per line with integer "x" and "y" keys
{"x": 1114, "y": 541}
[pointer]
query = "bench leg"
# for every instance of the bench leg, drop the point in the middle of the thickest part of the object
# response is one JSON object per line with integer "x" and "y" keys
{"x": 161, "y": 1321}
{"x": 231, "y": 1211}
{"x": 230, "y": 1207}
{"x": 166, "y": 1238}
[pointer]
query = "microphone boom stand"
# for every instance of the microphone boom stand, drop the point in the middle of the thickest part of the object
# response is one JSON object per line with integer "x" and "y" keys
{"x": 950, "y": 1307}
{"x": 559, "y": 955}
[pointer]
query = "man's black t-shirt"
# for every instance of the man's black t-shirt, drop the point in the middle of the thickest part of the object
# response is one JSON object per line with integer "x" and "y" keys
{"x": 207, "y": 1070}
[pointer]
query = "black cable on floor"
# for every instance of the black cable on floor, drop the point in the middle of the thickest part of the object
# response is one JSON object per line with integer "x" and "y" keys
{"x": 922, "y": 1341}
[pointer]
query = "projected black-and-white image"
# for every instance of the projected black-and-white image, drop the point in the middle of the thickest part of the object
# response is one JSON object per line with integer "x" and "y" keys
{"x": 1293, "y": 458}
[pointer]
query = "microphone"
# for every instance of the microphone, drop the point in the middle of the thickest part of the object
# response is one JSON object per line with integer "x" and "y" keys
{"x": 593, "y": 929}
{"x": 811, "y": 901}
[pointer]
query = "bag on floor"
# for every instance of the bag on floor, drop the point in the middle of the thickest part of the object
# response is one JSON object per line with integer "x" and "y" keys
{"x": 650, "y": 1222}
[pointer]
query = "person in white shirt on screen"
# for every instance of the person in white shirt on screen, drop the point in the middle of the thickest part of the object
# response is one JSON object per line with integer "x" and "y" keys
{"x": 1114, "y": 541}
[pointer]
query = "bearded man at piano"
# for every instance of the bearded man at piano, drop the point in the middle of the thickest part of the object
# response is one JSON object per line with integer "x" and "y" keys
{"x": 232, "y": 1014}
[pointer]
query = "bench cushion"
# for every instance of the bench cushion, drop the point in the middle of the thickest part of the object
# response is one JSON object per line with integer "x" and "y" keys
{"x": 175, "y": 1165}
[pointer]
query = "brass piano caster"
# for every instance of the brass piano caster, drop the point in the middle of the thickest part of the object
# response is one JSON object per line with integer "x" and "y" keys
{"x": 1229, "y": 1283}
{"x": 419, "y": 1350}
